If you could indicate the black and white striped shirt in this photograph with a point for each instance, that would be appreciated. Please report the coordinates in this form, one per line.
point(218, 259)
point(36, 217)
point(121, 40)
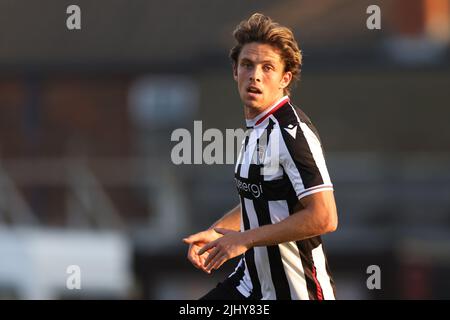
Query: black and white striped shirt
point(281, 161)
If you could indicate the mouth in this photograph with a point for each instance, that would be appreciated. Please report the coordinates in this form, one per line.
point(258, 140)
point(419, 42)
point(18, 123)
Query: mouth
point(253, 91)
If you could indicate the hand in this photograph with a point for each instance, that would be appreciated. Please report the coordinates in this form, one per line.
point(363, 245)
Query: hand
point(196, 242)
point(230, 245)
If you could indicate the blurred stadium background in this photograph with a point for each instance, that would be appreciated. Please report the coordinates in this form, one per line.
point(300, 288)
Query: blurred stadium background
point(86, 117)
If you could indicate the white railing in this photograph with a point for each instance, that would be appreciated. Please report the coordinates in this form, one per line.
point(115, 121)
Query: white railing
point(87, 202)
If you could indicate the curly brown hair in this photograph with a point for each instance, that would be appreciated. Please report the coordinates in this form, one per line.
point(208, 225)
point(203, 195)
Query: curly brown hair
point(260, 28)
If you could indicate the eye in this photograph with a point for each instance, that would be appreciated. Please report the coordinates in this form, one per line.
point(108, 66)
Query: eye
point(267, 67)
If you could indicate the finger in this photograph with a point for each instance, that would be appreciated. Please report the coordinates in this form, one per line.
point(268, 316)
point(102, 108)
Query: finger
point(202, 265)
point(206, 271)
point(216, 262)
point(202, 258)
point(219, 263)
point(210, 257)
point(222, 230)
point(201, 262)
point(197, 261)
point(194, 263)
point(206, 247)
point(193, 258)
point(192, 238)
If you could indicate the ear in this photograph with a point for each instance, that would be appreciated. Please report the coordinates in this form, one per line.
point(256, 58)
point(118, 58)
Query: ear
point(286, 79)
point(235, 72)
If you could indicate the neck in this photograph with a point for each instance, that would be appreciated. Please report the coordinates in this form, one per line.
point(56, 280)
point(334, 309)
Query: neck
point(252, 112)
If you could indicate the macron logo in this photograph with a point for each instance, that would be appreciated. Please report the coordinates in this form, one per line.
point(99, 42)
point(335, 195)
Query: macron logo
point(292, 130)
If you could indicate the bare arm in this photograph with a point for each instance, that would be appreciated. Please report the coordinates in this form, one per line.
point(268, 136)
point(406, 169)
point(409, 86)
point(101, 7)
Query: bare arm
point(231, 220)
point(315, 215)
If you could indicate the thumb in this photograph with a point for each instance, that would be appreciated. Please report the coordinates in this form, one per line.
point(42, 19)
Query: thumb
point(189, 239)
point(222, 230)
point(193, 238)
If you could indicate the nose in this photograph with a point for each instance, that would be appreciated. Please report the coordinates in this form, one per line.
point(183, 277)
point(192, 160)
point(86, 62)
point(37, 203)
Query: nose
point(255, 74)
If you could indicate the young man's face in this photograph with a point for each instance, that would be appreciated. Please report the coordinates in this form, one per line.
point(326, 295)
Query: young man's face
point(260, 75)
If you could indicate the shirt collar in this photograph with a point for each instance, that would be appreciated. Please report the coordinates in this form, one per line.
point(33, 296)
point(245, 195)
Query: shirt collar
point(266, 113)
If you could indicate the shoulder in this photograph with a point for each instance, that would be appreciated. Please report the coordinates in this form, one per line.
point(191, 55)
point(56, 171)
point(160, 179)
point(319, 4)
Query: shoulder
point(290, 116)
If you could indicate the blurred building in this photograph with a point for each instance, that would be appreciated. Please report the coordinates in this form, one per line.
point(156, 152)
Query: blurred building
point(85, 136)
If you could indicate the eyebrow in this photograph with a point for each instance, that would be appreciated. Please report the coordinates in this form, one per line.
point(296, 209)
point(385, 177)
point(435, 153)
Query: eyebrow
point(264, 61)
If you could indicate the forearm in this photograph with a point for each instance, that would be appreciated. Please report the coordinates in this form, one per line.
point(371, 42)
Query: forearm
point(231, 220)
point(301, 225)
